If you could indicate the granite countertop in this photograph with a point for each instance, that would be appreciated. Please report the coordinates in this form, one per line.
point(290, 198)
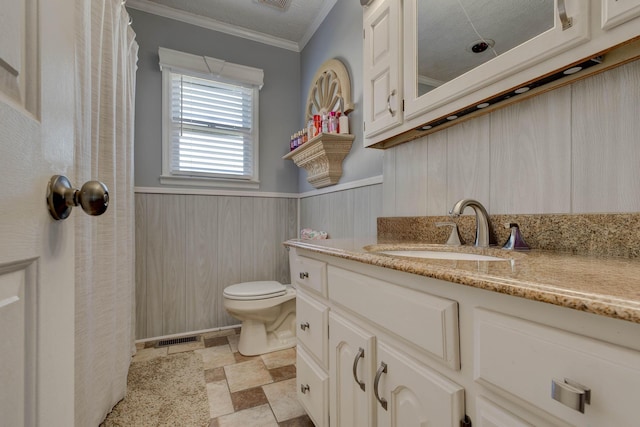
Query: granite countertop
point(607, 286)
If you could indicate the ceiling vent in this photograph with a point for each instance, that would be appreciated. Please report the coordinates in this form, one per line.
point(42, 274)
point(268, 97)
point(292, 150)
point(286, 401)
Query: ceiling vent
point(278, 4)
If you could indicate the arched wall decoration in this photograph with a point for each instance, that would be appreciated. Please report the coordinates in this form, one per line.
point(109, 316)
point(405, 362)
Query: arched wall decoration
point(330, 90)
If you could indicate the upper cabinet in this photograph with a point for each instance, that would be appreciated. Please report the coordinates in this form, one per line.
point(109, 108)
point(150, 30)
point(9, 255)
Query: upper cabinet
point(429, 63)
point(382, 97)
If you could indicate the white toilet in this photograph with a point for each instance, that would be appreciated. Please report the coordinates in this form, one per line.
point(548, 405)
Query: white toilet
point(268, 313)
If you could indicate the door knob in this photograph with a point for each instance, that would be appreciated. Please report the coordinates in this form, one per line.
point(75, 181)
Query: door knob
point(93, 197)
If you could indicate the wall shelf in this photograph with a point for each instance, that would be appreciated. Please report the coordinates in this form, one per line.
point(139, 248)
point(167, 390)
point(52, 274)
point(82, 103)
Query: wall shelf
point(322, 157)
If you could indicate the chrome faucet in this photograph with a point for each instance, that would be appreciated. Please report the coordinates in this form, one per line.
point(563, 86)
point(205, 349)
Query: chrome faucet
point(482, 221)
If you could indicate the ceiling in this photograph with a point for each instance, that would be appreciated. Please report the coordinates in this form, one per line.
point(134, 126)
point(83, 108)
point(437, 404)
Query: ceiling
point(290, 28)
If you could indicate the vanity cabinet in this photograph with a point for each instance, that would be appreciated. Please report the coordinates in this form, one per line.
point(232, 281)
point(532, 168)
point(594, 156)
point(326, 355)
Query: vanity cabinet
point(443, 354)
point(418, 77)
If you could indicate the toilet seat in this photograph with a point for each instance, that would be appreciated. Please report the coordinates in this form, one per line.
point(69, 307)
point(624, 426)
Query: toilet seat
point(255, 290)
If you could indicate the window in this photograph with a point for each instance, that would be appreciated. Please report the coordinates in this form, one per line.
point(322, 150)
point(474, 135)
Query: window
point(210, 121)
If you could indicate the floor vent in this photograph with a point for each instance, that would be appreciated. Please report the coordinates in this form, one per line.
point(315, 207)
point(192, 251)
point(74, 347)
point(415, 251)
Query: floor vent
point(164, 343)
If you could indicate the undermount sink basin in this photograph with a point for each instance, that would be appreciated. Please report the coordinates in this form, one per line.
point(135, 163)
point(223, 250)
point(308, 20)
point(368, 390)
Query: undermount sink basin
point(458, 256)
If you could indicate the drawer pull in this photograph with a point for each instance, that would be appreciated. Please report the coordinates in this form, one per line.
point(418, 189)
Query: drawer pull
point(381, 370)
point(304, 326)
point(304, 275)
point(359, 356)
point(304, 388)
point(570, 394)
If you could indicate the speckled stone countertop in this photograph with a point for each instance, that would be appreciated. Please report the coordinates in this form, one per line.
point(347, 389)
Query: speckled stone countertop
point(607, 286)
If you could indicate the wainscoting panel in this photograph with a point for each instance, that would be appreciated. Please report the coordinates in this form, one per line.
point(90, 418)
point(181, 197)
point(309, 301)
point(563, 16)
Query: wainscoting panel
point(606, 153)
point(531, 155)
point(141, 266)
point(201, 251)
point(468, 162)
point(343, 214)
point(571, 150)
point(190, 247)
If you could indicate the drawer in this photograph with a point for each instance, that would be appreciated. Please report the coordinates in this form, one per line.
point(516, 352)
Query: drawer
point(312, 319)
point(523, 358)
point(308, 273)
point(312, 388)
point(424, 320)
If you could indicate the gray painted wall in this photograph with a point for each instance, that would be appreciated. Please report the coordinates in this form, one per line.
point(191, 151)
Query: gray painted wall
point(340, 36)
point(279, 98)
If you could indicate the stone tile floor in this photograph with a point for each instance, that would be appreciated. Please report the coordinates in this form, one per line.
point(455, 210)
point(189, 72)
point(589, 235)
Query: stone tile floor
point(242, 391)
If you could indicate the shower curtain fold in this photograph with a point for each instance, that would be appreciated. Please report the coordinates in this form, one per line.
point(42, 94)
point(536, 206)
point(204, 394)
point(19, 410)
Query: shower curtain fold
point(106, 57)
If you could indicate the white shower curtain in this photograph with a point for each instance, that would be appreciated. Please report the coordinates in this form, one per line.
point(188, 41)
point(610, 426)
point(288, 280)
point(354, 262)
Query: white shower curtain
point(106, 56)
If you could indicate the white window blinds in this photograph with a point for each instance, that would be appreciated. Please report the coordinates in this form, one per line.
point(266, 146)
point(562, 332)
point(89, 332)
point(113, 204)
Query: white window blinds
point(211, 128)
point(210, 121)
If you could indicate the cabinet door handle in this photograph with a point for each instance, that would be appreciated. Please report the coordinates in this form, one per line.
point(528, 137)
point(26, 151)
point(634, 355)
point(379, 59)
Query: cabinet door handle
point(304, 388)
point(393, 113)
point(304, 326)
point(566, 21)
point(570, 394)
point(381, 370)
point(359, 356)
point(304, 275)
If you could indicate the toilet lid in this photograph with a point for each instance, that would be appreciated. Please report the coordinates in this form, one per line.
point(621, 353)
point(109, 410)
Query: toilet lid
point(255, 290)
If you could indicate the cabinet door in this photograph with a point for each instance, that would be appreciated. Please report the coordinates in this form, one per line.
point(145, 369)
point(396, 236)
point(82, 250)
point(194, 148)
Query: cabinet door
point(416, 396)
point(351, 371)
point(616, 12)
point(382, 96)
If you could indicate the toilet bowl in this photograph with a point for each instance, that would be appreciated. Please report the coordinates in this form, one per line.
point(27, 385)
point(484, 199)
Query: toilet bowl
point(267, 310)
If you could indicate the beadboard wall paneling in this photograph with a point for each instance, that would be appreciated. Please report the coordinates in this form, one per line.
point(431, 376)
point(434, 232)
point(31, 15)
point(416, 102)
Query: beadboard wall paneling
point(531, 155)
point(571, 150)
point(174, 262)
point(412, 194)
point(190, 247)
point(154, 263)
point(201, 233)
point(437, 178)
point(343, 214)
point(141, 267)
point(606, 136)
point(468, 162)
point(389, 183)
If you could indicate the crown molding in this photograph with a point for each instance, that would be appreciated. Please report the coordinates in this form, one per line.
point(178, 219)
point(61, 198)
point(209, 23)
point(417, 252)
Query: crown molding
point(212, 24)
point(320, 17)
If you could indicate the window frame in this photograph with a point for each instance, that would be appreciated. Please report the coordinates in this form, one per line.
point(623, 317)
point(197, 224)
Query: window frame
point(175, 62)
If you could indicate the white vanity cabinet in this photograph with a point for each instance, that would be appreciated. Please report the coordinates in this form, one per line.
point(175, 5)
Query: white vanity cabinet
point(412, 85)
point(439, 353)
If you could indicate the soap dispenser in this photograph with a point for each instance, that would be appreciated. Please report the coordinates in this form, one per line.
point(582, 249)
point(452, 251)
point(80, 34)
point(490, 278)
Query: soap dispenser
point(516, 241)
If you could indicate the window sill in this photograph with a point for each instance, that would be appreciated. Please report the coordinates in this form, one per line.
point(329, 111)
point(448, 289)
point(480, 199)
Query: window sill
point(208, 182)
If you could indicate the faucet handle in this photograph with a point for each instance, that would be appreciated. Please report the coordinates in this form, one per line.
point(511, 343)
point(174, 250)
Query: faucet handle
point(454, 237)
point(515, 241)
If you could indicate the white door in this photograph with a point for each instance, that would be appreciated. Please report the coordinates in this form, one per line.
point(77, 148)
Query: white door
point(36, 253)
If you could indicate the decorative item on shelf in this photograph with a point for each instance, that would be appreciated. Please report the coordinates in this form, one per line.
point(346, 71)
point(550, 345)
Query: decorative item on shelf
point(328, 139)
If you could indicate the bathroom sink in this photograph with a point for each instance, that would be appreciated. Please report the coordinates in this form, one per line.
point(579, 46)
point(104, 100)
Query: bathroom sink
point(430, 254)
